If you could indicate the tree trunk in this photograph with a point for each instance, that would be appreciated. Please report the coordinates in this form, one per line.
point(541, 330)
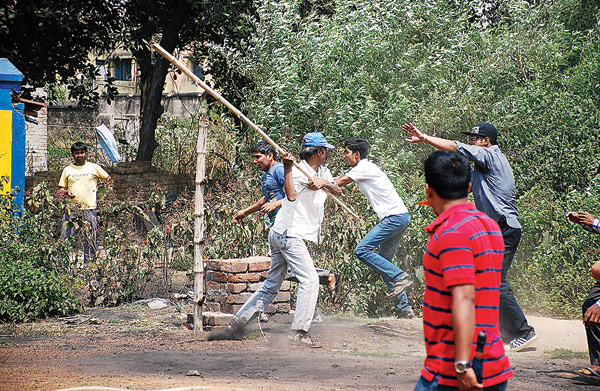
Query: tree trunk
point(152, 85)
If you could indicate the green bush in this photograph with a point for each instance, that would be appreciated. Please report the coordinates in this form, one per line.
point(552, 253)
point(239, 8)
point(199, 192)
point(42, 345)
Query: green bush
point(30, 292)
point(35, 281)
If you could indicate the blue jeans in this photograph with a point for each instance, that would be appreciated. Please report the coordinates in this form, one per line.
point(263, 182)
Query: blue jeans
point(386, 235)
point(426, 385)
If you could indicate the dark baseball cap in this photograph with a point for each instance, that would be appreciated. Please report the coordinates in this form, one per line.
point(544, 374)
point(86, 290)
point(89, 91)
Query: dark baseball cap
point(315, 139)
point(484, 130)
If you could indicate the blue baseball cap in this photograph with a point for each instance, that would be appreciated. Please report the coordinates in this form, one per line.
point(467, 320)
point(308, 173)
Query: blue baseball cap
point(315, 139)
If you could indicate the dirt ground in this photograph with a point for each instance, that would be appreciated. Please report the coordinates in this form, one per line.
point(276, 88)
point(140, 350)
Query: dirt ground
point(136, 348)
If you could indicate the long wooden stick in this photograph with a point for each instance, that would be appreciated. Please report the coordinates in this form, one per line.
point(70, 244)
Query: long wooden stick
point(241, 116)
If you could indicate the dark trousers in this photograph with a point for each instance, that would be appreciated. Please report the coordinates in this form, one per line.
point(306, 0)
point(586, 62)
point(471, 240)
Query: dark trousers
point(513, 323)
point(593, 333)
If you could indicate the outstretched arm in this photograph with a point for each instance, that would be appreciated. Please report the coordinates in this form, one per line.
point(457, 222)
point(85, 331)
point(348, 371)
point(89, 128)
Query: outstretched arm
point(319, 183)
point(343, 180)
point(241, 214)
point(416, 136)
point(586, 220)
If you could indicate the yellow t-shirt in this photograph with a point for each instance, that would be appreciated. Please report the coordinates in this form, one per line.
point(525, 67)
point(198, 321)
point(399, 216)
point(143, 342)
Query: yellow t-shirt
point(82, 182)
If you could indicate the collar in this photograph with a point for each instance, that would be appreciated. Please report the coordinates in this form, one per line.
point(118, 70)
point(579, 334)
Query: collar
point(431, 228)
point(309, 168)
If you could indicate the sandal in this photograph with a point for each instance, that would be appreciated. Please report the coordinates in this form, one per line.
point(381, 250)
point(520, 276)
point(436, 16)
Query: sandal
point(301, 338)
point(589, 371)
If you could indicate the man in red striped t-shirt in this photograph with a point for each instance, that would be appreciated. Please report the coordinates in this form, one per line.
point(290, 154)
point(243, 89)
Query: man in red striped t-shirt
point(463, 264)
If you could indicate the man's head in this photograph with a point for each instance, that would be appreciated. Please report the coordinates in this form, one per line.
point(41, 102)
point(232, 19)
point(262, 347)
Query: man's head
point(355, 149)
point(265, 156)
point(79, 153)
point(314, 144)
point(483, 135)
point(448, 174)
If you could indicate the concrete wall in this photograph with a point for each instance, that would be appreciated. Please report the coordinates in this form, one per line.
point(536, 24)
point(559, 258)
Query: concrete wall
point(36, 143)
point(133, 178)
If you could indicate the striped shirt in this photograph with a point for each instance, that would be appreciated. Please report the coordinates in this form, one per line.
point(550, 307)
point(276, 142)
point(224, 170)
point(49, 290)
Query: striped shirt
point(465, 248)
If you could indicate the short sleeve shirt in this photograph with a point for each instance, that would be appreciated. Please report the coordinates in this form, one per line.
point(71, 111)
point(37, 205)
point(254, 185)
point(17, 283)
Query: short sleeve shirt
point(272, 188)
point(302, 218)
point(82, 182)
point(465, 247)
point(375, 185)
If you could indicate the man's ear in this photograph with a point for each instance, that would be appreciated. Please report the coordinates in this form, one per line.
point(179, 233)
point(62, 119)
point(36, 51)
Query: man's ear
point(428, 191)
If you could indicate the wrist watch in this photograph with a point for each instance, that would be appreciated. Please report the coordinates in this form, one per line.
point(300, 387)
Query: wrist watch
point(461, 366)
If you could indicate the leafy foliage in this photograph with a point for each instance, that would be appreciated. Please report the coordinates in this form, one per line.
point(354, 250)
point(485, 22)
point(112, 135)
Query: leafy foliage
point(364, 68)
point(34, 282)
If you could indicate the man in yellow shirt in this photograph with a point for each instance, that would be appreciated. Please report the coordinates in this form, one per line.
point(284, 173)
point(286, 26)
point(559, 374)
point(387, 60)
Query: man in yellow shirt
point(79, 181)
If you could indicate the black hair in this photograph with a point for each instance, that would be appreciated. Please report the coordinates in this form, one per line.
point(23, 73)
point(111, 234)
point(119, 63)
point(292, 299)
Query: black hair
point(358, 144)
point(78, 146)
point(307, 152)
point(265, 148)
point(448, 173)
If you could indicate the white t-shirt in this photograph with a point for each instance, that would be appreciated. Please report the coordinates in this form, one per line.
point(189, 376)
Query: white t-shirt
point(377, 187)
point(302, 218)
point(82, 181)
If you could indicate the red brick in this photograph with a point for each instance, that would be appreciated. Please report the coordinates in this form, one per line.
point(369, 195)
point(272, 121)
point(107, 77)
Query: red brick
point(254, 286)
point(244, 277)
point(216, 276)
point(234, 266)
point(213, 265)
point(282, 297)
point(264, 275)
point(215, 285)
point(236, 288)
point(216, 318)
point(259, 266)
point(239, 298)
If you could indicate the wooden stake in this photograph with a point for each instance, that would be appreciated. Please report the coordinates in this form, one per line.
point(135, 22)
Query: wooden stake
point(241, 116)
point(199, 223)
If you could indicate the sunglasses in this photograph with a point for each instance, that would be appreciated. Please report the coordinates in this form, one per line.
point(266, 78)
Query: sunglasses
point(474, 138)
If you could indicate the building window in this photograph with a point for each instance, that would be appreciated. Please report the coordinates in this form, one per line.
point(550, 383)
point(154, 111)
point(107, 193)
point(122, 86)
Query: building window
point(122, 69)
point(102, 72)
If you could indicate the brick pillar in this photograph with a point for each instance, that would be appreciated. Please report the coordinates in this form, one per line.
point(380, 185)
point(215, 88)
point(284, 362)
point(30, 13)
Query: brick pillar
point(230, 282)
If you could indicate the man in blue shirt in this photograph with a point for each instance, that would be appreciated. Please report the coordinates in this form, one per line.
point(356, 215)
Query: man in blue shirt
point(272, 184)
point(493, 187)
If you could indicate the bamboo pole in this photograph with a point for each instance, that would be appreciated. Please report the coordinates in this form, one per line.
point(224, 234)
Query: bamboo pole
point(199, 223)
point(241, 116)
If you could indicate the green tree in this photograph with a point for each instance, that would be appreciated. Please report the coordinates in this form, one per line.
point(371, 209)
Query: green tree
point(49, 41)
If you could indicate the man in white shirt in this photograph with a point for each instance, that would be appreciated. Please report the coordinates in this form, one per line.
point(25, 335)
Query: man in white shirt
point(298, 219)
point(393, 216)
point(79, 181)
